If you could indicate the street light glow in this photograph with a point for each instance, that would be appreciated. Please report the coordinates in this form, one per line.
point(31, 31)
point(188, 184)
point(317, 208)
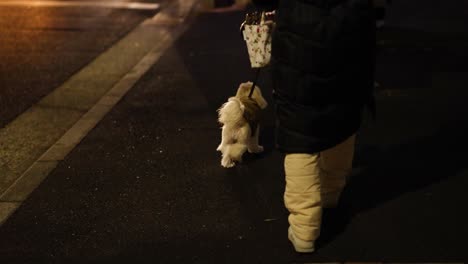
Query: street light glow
point(103, 4)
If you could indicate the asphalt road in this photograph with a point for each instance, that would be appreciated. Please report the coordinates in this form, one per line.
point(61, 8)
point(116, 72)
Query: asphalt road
point(41, 47)
point(146, 186)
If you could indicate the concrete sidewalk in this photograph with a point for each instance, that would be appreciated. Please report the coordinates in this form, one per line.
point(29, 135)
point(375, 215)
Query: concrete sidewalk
point(146, 184)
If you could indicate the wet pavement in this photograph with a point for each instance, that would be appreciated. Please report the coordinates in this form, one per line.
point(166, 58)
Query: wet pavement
point(146, 184)
point(41, 47)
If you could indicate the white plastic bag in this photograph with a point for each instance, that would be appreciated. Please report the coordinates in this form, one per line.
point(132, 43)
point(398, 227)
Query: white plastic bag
point(258, 40)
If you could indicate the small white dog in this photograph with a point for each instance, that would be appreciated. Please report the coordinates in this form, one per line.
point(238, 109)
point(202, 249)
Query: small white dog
point(240, 119)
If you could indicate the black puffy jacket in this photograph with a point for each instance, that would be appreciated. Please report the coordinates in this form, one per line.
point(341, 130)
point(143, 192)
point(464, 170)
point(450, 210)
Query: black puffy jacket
point(323, 60)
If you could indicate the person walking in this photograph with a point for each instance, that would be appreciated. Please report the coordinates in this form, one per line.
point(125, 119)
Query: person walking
point(323, 78)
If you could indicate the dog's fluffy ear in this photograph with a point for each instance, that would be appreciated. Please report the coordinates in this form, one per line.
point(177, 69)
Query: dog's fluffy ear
point(231, 112)
point(238, 103)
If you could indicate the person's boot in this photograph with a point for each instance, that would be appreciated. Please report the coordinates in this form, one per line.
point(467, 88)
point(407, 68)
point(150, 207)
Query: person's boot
point(300, 245)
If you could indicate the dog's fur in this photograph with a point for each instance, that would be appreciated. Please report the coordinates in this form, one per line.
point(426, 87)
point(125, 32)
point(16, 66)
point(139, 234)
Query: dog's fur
point(237, 137)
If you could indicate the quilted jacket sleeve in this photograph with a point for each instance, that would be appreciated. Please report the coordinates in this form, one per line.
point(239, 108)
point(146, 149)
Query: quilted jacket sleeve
point(353, 13)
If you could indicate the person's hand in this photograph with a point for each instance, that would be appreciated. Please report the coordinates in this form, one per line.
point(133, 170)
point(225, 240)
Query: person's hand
point(270, 17)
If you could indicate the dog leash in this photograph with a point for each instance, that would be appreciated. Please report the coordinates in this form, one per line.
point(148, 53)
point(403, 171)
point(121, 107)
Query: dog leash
point(257, 73)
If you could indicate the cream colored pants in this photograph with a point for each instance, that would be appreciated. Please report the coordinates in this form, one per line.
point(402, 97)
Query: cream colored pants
point(314, 181)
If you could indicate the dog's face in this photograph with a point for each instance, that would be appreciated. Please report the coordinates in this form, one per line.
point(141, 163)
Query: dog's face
point(244, 90)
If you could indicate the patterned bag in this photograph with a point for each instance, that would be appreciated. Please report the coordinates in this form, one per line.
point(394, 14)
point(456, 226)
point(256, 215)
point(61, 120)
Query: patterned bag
point(256, 30)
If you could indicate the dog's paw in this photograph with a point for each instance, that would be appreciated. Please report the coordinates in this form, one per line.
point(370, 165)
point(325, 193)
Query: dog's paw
point(227, 163)
point(256, 149)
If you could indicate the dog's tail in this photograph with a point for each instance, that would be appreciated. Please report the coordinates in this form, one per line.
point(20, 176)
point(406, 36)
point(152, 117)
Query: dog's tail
point(231, 112)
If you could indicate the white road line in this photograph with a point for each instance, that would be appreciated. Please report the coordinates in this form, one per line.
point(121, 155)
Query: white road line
point(154, 36)
point(104, 4)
